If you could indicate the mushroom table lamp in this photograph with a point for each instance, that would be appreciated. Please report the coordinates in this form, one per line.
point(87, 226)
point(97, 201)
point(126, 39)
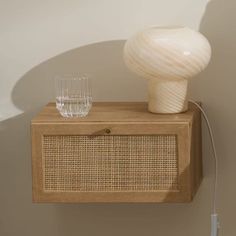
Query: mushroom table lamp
point(168, 57)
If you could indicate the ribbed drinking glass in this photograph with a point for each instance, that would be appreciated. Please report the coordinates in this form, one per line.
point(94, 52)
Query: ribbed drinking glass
point(73, 95)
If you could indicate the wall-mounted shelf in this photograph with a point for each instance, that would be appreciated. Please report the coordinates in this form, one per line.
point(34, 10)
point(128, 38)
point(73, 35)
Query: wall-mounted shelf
point(118, 153)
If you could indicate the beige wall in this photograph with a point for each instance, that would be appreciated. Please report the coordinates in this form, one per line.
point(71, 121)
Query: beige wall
point(39, 39)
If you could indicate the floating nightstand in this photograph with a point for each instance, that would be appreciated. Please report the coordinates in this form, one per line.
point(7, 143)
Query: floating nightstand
point(118, 153)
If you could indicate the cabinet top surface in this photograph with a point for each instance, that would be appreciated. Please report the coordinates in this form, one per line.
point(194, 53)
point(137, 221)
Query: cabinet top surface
point(114, 112)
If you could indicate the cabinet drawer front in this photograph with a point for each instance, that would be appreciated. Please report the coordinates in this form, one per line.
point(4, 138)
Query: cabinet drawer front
point(93, 161)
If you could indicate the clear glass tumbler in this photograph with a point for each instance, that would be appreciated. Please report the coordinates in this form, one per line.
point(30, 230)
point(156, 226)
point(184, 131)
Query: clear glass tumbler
point(73, 95)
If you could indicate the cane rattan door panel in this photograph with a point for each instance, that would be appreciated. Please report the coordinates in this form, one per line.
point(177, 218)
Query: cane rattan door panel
point(130, 161)
point(109, 163)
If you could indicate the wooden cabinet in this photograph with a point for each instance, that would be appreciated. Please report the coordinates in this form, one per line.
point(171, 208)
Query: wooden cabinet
point(118, 153)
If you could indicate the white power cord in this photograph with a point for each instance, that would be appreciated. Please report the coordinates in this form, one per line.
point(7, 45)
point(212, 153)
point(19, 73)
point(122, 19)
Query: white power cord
point(214, 215)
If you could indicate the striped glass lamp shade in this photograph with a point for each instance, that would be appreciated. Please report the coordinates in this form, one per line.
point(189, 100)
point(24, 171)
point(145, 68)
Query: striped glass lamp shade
point(167, 57)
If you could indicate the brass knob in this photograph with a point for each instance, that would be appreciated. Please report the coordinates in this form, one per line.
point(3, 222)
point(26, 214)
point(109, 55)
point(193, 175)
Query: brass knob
point(107, 131)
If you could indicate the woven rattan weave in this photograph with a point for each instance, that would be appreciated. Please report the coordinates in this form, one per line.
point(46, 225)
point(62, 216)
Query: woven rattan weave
point(107, 163)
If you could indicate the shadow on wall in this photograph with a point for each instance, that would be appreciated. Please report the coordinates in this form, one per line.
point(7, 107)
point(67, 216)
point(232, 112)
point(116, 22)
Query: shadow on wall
point(217, 81)
point(216, 85)
point(111, 80)
point(216, 89)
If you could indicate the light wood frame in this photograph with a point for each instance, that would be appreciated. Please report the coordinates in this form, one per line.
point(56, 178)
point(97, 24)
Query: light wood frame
point(188, 134)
